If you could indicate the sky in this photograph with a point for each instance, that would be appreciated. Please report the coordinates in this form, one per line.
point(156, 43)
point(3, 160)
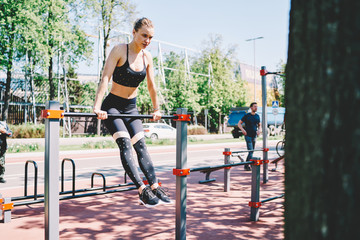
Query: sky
point(190, 22)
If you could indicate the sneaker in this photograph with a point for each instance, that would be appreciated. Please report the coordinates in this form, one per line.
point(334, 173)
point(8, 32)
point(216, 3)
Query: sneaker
point(2, 180)
point(247, 168)
point(162, 194)
point(147, 198)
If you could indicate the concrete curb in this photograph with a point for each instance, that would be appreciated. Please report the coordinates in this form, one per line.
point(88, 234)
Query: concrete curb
point(82, 140)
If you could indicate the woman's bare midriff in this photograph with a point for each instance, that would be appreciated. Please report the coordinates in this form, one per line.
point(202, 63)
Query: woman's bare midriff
point(123, 91)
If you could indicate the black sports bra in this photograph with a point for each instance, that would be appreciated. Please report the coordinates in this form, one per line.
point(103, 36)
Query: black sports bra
point(125, 76)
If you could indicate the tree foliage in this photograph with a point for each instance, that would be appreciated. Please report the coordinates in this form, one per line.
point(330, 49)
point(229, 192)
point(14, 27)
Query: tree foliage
point(225, 88)
point(110, 15)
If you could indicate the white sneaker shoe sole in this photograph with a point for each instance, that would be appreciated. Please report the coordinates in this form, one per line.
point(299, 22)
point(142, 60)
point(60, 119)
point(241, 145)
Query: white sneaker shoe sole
point(148, 205)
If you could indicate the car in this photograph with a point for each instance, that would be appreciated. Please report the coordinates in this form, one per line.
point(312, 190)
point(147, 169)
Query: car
point(159, 131)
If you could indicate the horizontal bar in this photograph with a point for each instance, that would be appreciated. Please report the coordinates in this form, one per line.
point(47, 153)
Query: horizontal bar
point(244, 151)
point(76, 196)
point(138, 116)
point(70, 191)
point(273, 198)
point(219, 166)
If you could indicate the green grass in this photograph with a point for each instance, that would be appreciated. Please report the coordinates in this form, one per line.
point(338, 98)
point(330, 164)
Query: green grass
point(108, 144)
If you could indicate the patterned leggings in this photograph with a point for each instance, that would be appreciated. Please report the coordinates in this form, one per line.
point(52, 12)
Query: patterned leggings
point(128, 133)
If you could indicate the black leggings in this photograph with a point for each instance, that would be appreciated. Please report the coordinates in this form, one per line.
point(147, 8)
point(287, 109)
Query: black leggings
point(127, 132)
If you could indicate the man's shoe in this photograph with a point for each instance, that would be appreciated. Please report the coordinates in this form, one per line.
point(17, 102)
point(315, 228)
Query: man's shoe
point(147, 198)
point(162, 195)
point(247, 168)
point(2, 180)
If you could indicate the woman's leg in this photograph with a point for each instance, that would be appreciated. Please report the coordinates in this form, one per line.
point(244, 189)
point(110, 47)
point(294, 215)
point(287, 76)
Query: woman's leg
point(118, 129)
point(138, 140)
point(145, 163)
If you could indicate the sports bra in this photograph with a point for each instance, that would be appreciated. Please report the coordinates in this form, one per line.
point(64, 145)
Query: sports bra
point(125, 76)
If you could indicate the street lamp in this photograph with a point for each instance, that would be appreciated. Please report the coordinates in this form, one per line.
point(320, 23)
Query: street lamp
point(248, 40)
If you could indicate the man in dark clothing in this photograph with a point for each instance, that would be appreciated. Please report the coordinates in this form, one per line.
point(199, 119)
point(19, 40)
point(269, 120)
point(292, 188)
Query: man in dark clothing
point(251, 131)
point(4, 133)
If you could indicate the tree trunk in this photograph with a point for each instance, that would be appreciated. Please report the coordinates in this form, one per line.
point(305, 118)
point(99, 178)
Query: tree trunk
point(7, 96)
point(51, 82)
point(5, 112)
point(51, 46)
point(322, 178)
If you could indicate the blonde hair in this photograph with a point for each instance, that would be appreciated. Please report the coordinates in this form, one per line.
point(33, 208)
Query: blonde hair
point(139, 23)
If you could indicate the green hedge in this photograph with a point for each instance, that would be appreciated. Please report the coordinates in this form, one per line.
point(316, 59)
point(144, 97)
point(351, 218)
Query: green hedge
point(28, 130)
point(196, 130)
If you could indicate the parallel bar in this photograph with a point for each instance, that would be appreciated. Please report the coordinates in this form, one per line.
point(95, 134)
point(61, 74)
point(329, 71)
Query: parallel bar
point(264, 126)
point(137, 116)
point(273, 198)
point(245, 151)
point(76, 191)
point(181, 181)
point(219, 166)
point(52, 128)
point(76, 196)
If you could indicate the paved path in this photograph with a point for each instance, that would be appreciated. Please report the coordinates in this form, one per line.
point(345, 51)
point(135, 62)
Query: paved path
point(212, 214)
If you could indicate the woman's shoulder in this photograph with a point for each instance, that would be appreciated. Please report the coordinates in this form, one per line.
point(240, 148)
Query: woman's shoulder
point(120, 48)
point(147, 54)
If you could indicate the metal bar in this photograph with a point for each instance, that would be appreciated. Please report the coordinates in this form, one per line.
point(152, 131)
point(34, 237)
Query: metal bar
point(181, 181)
point(136, 116)
point(76, 196)
point(52, 174)
point(272, 198)
point(219, 166)
point(264, 126)
point(245, 151)
point(103, 177)
point(255, 191)
point(35, 178)
point(73, 174)
point(227, 171)
point(76, 191)
point(207, 178)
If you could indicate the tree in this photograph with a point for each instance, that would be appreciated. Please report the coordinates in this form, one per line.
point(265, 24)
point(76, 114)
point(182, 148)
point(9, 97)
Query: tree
point(225, 89)
point(10, 19)
point(110, 14)
point(180, 91)
point(64, 35)
point(322, 89)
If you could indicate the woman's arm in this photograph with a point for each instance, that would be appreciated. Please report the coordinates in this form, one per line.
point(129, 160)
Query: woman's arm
point(152, 87)
point(109, 67)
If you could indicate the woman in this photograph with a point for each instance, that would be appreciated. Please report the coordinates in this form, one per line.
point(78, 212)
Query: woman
point(128, 64)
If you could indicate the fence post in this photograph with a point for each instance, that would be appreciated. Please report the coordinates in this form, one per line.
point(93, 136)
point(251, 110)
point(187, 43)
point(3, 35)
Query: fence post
point(181, 181)
point(264, 122)
point(255, 190)
point(51, 195)
point(227, 170)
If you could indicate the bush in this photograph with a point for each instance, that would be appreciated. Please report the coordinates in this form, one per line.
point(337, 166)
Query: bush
point(196, 130)
point(16, 148)
point(99, 145)
point(28, 130)
point(149, 141)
